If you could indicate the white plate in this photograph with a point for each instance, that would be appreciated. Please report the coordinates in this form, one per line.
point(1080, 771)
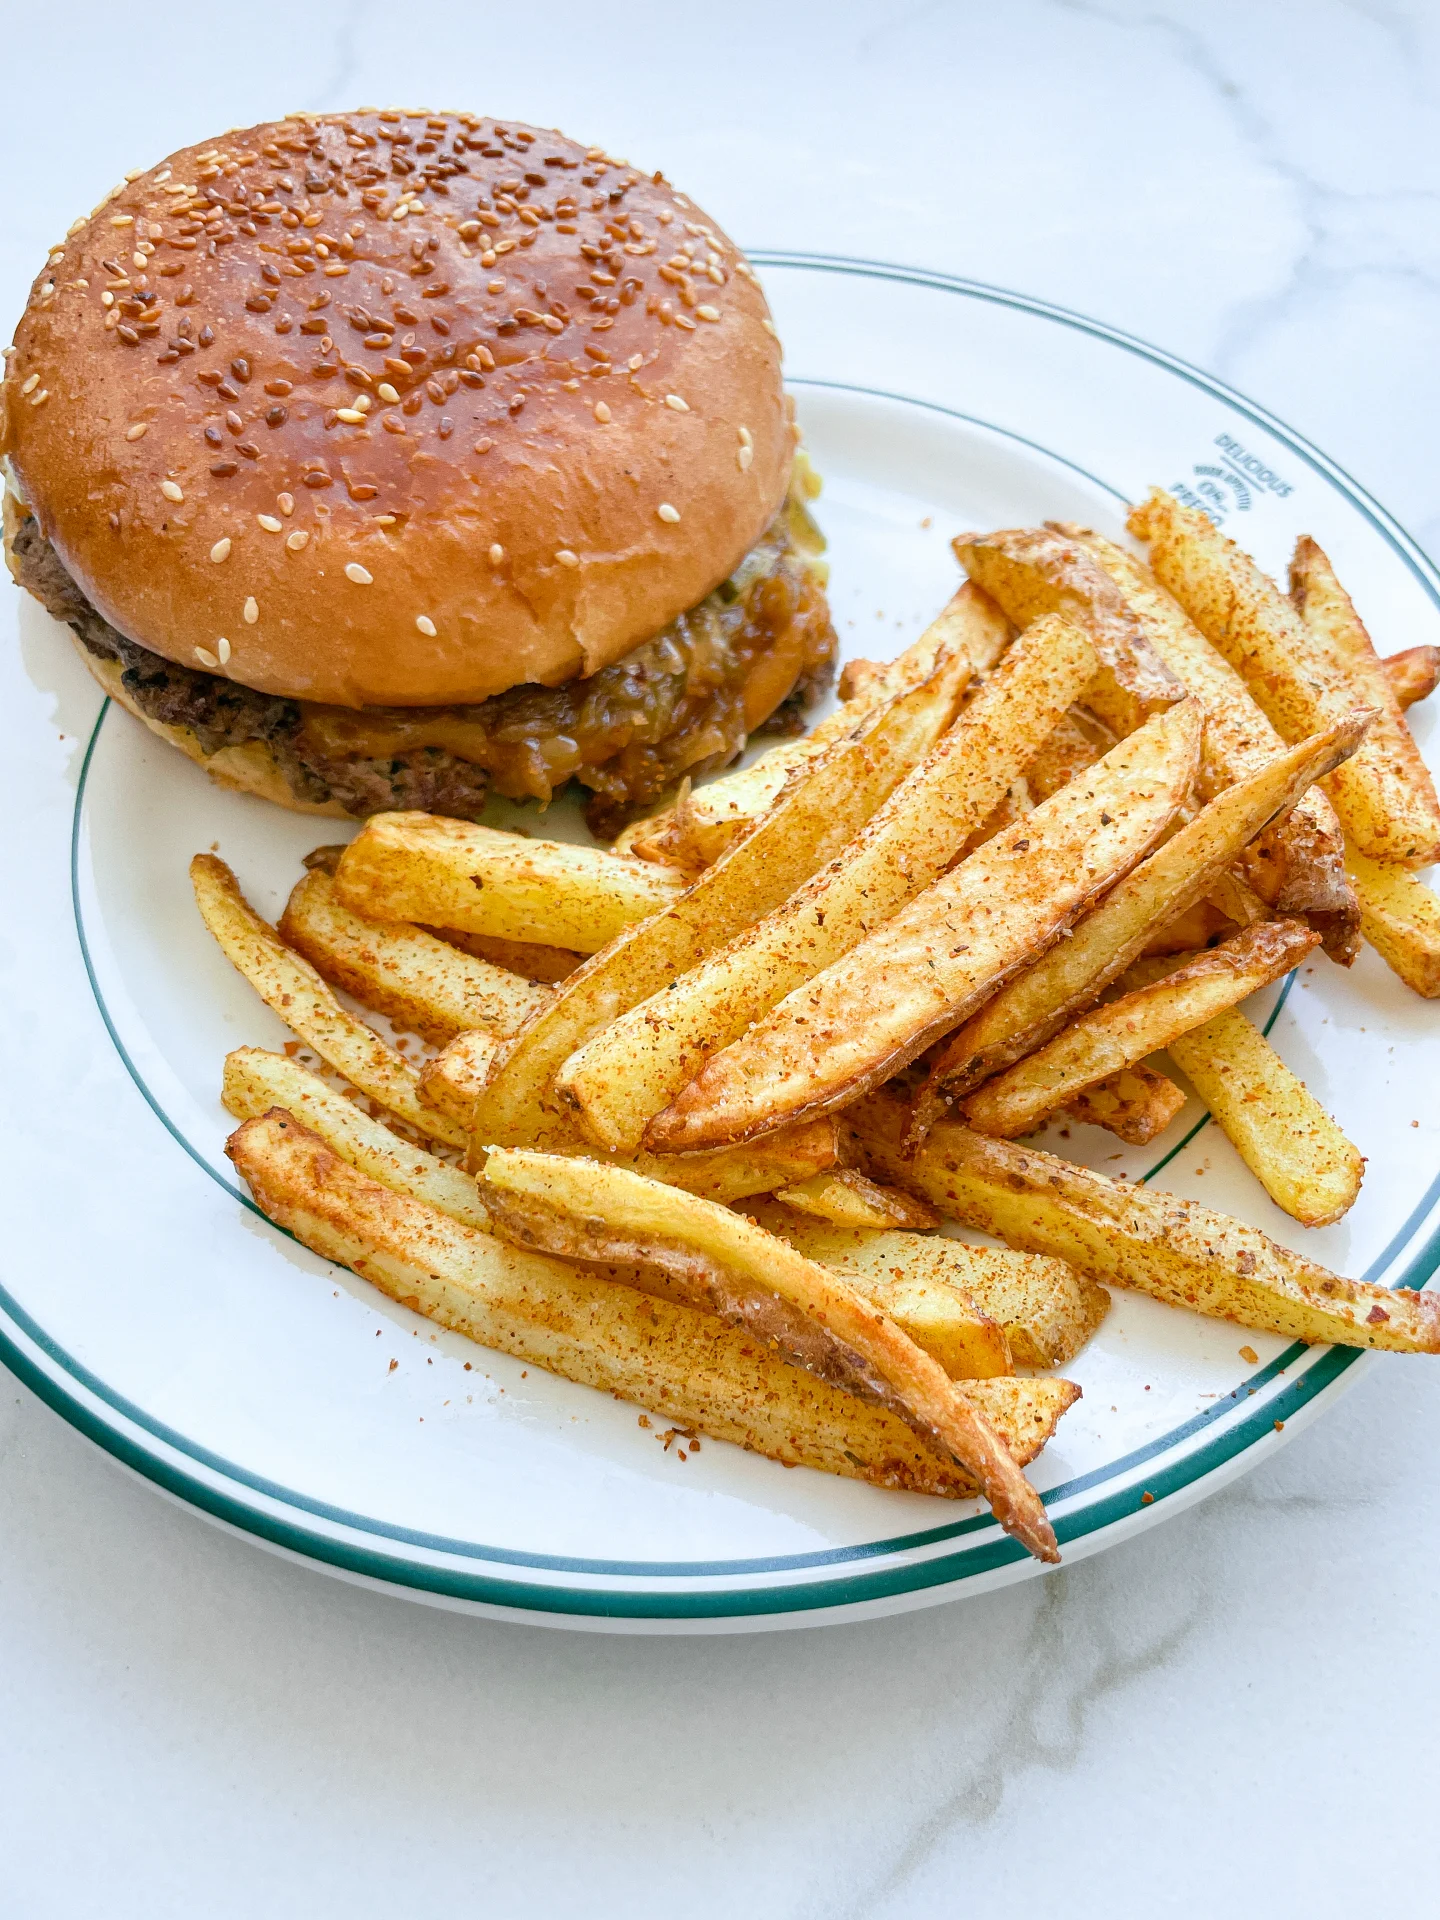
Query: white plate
point(148, 1302)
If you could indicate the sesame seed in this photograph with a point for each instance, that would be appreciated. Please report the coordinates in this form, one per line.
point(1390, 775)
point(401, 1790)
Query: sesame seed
point(602, 413)
point(668, 513)
point(743, 457)
point(31, 384)
point(39, 399)
point(138, 431)
point(170, 490)
point(388, 394)
point(269, 522)
point(426, 625)
point(769, 326)
point(221, 550)
point(206, 658)
point(497, 554)
point(295, 541)
point(567, 558)
point(222, 647)
point(635, 362)
point(744, 433)
point(708, 313)
point(674, 401)
point(483, 446)
point(286, 503)
point(358, 574)
point(122, 219)
point(252, 611)
point(352, 416)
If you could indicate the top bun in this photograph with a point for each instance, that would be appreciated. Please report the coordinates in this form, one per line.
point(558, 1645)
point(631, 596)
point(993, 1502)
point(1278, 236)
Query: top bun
point(396, 408)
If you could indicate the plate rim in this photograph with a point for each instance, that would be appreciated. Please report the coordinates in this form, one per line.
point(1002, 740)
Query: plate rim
point(25, 1347)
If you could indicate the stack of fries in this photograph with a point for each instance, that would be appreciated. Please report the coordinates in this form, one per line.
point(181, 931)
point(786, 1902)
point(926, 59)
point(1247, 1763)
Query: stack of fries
point(695, 1105)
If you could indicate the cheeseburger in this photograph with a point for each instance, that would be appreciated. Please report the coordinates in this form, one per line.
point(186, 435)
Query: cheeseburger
point(379, 460)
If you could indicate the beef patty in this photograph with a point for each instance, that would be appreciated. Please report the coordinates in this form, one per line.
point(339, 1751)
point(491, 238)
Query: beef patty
point(749, 658)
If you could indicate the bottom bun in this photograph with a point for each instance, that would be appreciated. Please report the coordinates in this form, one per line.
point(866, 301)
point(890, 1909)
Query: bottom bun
point(251, 768)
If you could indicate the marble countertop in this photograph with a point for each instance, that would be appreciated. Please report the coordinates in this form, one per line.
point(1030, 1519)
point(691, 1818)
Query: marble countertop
point(1236, 1707)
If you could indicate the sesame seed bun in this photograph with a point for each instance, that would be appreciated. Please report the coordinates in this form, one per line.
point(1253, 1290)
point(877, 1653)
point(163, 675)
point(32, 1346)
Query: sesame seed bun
point(384, 409)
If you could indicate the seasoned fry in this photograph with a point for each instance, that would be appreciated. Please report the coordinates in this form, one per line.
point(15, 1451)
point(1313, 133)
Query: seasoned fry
point(1136, 1104)
point(1196, 927)
point(925, 1299)
point(1298, 865)
point(1011, 808)
point(1297, 673)
point(1072, 976)
point(545, 966)
point(255, 1081)
point(875, 1010)
point(672, 1359)
point(1385, 796)
point(1073, 748)
point(1277, 1126)
point(1046, 1310)
point(1133, 1236)
point(623, 1077)
point(293, 988)
point(454, 1080)
point(751, 1278)
point(1034, 571)
point(1123, 1032)
point(707, 820)
point(1413, 674)
point(825, 804)
point(419, 981)
point(851, 1199)
point(448, 873)
point(1400, 917)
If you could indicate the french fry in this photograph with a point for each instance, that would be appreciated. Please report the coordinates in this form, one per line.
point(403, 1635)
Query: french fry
point(599, 1213)
point(1400, 917)
point(1123, 1032)
point(453, 1081)
point(875, 1010)
point(544, 966)
point(1033, 1007)
point(439, 872)
point(1136, 1104)
point(672, 1359)
point(923, 1298)
point(1046, 1310)
point(1133, 1236)
point(1034, 571)
point(1413, 674)
point(825, 804)
point(419, 981)
point(256, 1080)
point(1385, 796)
point(1297, 866)
point(295, 991)
point(1298, 675)
point(1196, 927)
point(623, 1077)
point(851, 1199)
point(1277, 1126)
point(1073, 748)
point(711, 818)
point(1009, 810)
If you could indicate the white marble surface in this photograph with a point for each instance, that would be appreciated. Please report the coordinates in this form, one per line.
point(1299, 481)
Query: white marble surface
point(1237, 1708)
